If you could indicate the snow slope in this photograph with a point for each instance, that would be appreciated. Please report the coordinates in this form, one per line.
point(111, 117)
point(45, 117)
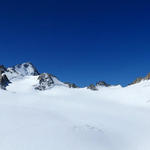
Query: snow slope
point(113, 118)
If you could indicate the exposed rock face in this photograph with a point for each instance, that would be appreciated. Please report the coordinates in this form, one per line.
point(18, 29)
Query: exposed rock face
point(98, 84)
point(47, 81)
point(4, 81)
point(102, 83)
point(138, 80)
point(71, 85)
point(3, 78)
point(92, 87)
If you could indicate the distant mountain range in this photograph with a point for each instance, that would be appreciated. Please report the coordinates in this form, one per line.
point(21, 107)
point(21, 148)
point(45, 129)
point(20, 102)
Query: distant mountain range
point(45, 80)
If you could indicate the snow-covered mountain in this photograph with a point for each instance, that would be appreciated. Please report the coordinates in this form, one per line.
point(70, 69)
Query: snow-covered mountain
point(48, 81)
point(45, 80)
point(21, 70)
point(39, 112)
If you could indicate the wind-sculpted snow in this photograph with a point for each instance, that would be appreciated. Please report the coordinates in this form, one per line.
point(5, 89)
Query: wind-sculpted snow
point(112, 118)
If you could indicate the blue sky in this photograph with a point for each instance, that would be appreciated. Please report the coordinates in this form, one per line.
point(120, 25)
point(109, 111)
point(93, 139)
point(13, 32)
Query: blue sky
point(78, 41)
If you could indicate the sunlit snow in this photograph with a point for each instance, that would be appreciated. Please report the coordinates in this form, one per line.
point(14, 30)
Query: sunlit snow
point(113, 118)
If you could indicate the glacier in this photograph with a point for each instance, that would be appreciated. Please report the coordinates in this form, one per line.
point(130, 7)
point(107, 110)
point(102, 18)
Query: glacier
point(62, 118)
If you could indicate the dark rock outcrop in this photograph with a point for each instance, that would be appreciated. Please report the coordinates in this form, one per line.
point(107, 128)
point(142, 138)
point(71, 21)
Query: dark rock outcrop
point(102, 83)
point(4, 81)
point(45, 81)
point(92, 87)
point(71, 85)
point(98, 84)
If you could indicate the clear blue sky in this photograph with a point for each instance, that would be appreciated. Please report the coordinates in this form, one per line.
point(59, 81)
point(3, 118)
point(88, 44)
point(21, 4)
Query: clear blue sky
point(78, 41)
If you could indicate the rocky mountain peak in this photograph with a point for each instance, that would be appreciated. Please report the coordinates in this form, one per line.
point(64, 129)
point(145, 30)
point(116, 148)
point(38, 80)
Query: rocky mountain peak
point(21, 70)
point(26, 69)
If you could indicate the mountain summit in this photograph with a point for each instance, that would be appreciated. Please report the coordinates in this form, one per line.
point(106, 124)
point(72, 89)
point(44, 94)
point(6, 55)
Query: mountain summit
point(21, 70)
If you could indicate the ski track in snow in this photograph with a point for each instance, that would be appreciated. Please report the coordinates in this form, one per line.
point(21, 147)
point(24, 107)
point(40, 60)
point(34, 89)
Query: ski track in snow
point(74, 119)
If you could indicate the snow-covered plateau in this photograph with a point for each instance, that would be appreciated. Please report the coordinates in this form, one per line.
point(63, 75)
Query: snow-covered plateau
point(62, 118)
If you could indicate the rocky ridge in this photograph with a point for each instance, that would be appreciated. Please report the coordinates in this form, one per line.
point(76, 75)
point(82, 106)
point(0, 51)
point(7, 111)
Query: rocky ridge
point(47, 81)
point(98, 85)
point(139, 79)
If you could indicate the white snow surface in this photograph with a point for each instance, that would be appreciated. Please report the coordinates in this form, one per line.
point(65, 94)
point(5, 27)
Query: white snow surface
point(74, 119)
